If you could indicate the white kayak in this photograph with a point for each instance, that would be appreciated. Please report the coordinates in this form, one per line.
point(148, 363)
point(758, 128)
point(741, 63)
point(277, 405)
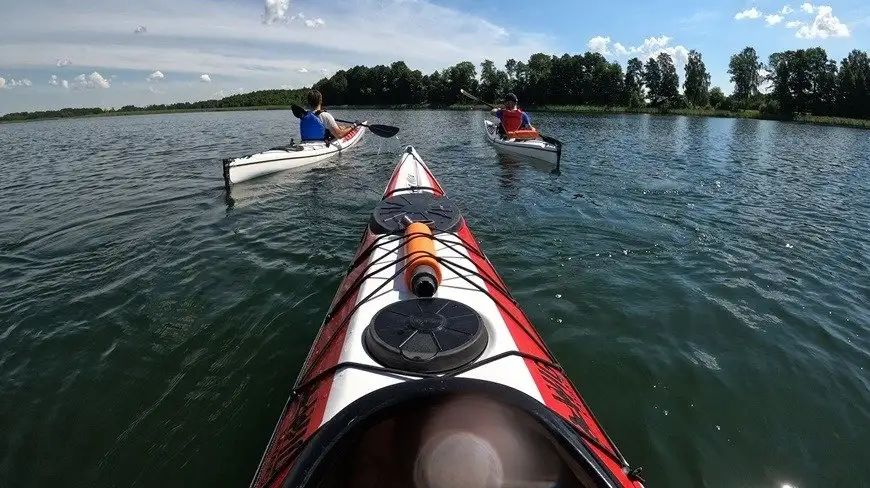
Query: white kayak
point(286, 157)
point(533, 148)
point(426, 373)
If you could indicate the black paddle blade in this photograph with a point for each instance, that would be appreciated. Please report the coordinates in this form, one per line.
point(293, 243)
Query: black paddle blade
point(383, 130)
point(298, 111)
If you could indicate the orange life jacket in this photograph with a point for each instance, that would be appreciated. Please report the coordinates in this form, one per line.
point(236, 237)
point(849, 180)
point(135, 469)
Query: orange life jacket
point(523, 134)
point(511, 120)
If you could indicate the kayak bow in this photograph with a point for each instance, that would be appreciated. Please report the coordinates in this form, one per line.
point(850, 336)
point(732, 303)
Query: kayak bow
point(427, 374)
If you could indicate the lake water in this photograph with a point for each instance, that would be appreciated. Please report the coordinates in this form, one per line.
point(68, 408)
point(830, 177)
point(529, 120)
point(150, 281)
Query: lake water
point(705, 283)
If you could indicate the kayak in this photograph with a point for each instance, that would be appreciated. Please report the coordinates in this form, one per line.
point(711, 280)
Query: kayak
point(287, 157)
point(426, 373)
point(533, 148)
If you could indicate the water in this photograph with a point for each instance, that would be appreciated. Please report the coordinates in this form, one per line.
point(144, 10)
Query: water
point(704, 282)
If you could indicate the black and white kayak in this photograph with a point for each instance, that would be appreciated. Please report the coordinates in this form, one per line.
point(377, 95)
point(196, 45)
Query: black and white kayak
point(426, 373)
point(537, 148)
point(287, 157)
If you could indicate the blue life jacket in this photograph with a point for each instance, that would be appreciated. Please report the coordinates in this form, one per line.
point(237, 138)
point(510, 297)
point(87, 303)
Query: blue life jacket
point(311, 128)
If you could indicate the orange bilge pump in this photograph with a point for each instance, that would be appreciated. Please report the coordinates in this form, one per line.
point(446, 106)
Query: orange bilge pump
point(423, 273)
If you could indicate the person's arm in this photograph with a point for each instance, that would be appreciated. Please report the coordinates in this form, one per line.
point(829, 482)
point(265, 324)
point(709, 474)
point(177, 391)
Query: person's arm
point(497, 113)
point(527, 121)
point(336, 130)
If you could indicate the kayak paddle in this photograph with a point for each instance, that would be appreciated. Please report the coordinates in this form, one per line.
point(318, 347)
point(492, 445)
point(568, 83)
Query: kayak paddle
point(551, 140)
point(377, 129)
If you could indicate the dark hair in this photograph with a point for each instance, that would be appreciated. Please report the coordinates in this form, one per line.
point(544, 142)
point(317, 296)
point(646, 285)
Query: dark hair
point(510, 97)
point(314, 98)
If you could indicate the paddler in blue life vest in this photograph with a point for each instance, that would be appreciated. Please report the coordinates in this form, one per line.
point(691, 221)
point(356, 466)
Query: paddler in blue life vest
point(511, 117)
point(319, 125)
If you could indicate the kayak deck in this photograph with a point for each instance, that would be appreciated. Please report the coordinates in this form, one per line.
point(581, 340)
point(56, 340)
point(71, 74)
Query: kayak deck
point(381, 343)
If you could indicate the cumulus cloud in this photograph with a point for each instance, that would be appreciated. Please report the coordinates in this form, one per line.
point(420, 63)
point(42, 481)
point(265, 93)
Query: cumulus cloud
point(2, 82)
point(63, 62)
point(140, 30)
point(773, 19)
point(303, 70)
point(13, 83)
point(599, 44)
point(276, 11)
point(751, 13)
point(807, 7)
point(93, 80)
point(155, 77)
point(651, 48)
point(314, 23)
point(793, 24)
point(824, 25)
point(786, 10)
point(205, 78)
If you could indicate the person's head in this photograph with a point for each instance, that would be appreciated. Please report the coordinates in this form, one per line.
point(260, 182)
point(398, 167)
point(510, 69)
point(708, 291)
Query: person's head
point(510, 101)
point(315, 99)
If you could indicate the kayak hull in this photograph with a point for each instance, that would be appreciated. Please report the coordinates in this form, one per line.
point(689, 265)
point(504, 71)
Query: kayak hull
point(274, 160)
point(349, 372)
point(535, 148)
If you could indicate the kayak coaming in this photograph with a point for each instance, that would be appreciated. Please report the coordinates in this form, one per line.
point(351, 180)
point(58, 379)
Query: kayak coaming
point(534, 148)
point(515, 356)
point(296, 155)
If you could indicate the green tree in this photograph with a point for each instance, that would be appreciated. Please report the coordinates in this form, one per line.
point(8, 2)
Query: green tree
point(716, 97)
point(652, 80)
point(743, 68)
point(697, 84)
point(854, 85)
point(634, 83)
point(669, 89)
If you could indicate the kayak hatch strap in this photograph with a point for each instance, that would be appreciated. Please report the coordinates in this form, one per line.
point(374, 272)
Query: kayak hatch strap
point(411, 188)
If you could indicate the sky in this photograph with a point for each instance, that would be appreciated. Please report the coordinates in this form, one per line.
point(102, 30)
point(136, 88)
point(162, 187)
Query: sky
point(110, 53)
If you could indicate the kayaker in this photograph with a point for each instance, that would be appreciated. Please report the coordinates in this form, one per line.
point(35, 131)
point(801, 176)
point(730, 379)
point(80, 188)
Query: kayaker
point(511, 117)
point(318, 124)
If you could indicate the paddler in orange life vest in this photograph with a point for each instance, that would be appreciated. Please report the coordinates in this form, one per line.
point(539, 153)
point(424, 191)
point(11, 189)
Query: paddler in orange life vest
point(316, 122)
point(511, 117)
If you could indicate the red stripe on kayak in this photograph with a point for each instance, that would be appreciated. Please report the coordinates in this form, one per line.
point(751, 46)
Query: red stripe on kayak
point(305, 413)
point(557, 391)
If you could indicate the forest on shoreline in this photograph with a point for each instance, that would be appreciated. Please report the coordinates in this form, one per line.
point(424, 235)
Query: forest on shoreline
point(801, 84)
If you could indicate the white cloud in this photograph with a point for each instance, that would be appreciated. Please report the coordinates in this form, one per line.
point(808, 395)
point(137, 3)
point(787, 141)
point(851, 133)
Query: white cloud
point(807, 7)
point(276, 11)
point(751, 13)
point(786, 9)
point(205, 78)
point(651, 48)
point(2, 82)
point(324, 70)
point(793, 24)
point(303, 70)
point(824, 25)
point(314, 23)
point(140, 30)
point(13, 83)
point(773, 19)
point(155, 77)
point(53, 81)
point(63, 62)
point(93, 80)
point(64, 84)
point(599, 44)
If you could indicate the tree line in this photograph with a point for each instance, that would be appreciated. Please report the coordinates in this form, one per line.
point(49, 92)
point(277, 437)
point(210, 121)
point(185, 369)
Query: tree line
point(803, 81)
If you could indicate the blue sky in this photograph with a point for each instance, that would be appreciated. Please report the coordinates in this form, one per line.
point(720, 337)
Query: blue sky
point(63, 53)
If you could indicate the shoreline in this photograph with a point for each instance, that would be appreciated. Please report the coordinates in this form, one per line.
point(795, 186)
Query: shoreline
point(565, 109)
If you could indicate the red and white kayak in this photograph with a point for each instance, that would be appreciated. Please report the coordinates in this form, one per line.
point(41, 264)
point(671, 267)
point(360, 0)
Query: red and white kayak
point(426, 373)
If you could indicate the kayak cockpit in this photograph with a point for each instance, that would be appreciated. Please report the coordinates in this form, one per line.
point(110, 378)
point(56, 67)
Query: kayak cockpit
point(446, 433)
